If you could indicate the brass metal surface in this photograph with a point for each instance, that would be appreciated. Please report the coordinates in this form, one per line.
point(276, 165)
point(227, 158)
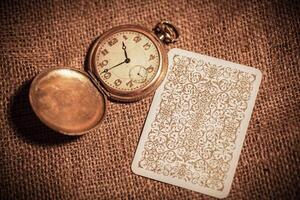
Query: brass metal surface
point(67, 101)
point(166, 32)
point(129, 96)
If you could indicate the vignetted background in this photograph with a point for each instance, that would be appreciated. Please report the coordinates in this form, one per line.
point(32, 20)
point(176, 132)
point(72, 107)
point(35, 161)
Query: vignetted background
point(37, 163)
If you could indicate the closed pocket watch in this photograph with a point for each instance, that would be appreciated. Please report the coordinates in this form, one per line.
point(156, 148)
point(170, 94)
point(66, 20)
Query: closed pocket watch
point(125, 64)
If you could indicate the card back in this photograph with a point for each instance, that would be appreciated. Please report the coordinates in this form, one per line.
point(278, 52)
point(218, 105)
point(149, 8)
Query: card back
point(196, 125)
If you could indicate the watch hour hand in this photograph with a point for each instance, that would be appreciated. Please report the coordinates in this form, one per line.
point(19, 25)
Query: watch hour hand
point(124, 48)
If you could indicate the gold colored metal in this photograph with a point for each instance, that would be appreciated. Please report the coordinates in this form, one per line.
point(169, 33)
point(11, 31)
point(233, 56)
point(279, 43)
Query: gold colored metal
point(73, 102)
point(129, 96)
point(166, 32)
point(67, 101)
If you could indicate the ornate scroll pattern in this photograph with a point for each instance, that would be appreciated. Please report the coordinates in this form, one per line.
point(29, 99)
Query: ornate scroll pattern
point(193, 135)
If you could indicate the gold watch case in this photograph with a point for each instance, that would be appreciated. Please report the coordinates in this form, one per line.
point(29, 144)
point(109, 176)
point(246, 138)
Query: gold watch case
point(67, 101)
point(129, 96)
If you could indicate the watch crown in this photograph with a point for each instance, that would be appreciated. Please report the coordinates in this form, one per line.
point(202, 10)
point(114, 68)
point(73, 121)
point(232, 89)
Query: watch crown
point(166, 32)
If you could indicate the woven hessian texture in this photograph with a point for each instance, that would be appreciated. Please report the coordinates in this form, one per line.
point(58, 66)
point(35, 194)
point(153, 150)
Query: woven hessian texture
point(37, 163)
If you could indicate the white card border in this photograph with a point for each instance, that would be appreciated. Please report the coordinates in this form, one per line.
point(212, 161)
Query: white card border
point(239, 140)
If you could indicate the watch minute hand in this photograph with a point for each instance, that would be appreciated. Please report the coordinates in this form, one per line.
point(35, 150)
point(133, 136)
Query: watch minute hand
point(106, 70)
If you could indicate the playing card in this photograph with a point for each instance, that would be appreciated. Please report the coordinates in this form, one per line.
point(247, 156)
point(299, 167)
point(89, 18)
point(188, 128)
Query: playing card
point(193, 135)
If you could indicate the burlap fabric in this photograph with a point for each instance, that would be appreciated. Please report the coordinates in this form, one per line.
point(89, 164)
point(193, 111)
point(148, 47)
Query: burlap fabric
point(37, 163)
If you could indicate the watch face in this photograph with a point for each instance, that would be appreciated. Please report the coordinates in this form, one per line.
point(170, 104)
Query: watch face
point(127, 60)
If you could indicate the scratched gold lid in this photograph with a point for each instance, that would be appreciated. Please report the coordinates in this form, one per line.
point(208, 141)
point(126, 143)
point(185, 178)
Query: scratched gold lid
point(67, 101)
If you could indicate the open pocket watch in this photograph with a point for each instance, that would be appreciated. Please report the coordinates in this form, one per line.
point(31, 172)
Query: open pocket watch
point(125, 64)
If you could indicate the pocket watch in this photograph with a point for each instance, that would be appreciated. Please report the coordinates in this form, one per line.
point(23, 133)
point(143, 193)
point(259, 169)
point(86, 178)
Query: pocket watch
point(130, 61)
point(126, 63)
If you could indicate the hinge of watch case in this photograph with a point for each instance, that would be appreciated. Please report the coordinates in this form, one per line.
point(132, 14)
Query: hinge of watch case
point(97, 84)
